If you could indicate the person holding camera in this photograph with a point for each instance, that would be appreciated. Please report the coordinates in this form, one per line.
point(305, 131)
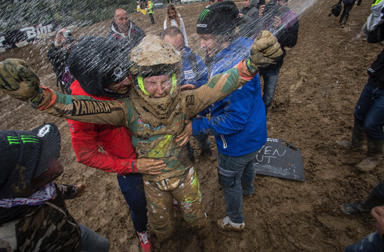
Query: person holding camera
point(58, 55)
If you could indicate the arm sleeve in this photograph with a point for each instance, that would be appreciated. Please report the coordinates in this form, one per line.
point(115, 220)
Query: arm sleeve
point(87, 109)
point(234, 118)
point(86, 145)
point(376, 35)
point(182, 28)
point(290, 34)
point(218, 87)
point(57, 59)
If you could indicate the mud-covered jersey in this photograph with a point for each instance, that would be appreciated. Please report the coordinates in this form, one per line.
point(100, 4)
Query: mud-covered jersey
point(152, 140)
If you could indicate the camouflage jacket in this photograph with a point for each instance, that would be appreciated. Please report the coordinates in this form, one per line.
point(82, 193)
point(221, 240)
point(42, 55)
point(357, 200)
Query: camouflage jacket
point(47, 227)
point(151, 138)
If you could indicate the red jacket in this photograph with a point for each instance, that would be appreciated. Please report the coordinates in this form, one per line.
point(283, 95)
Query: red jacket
point(104, 147)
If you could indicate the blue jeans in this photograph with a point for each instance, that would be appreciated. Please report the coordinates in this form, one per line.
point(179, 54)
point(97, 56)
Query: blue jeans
point(369, 112)
point(270, 77)
point(371, 243)
point(132, 188)
point(236, 175)
point(92, 241)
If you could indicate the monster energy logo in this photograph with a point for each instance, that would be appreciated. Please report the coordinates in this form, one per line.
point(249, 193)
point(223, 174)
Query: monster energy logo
point(22, 139)
point(203, 15)
point(376, 2)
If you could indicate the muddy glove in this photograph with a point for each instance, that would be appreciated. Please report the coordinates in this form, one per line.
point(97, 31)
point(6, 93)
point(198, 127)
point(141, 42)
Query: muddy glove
point(20, 82)
point(265, 51)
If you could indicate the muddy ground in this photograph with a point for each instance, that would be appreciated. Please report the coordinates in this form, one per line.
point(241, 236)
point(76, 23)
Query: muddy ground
point(319, 85)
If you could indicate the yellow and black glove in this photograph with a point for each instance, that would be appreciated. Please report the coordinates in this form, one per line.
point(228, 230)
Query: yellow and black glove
point(265, 50)
point(20, 82)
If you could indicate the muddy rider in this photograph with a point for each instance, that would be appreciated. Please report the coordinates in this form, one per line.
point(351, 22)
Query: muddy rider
point(155, 112)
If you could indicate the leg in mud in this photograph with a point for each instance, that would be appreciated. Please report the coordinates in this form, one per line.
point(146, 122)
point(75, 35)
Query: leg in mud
point(159, 204)
point(189, 195)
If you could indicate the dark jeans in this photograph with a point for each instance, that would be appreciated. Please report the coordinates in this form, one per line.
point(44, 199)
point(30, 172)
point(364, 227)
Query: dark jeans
point(345, 14)
point(92, 241)
point(236, 176)
point(132, 188)
point(270, 77)
point(369, 112)
point(371, 243)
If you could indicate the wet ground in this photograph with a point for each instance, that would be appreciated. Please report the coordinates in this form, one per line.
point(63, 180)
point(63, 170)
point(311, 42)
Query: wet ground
point(319, 85)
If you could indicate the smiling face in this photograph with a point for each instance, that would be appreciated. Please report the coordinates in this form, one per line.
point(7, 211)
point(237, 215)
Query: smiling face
point(209, 44)
point(121, 87)
point(172, 14)
point(121, 20)
point(158, 86)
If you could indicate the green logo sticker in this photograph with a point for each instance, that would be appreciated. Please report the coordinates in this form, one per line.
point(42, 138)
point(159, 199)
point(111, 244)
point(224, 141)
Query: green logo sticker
point(203, 15)
point(22, 139)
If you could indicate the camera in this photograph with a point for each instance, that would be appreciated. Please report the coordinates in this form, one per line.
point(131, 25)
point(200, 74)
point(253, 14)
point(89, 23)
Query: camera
point(68, 35)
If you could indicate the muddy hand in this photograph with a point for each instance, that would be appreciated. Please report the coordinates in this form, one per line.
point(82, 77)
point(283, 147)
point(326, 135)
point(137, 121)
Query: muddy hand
point(80, 189)
point(19, 81)
point(265, 51)
point(150, 166)
point(183, 138)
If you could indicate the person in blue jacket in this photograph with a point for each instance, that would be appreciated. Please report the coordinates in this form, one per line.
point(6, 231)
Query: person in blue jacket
point(194, 74)
point(238, 121)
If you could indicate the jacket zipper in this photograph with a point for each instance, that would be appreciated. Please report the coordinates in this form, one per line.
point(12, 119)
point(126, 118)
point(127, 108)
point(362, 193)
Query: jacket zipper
point(224, 142)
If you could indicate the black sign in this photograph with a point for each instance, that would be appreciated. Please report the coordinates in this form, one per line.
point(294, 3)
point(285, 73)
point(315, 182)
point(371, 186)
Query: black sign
point(277, 158)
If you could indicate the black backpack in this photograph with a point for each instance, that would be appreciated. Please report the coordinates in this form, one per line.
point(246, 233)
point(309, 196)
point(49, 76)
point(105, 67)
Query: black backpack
point(336, 9)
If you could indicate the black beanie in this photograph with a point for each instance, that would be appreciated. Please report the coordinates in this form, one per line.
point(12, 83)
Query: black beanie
point(97, 62)
point(218, 18)
point(24, 156)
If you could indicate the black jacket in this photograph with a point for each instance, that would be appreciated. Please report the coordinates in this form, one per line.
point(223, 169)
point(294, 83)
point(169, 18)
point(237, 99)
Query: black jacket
point(376, 70)
point(134, 34)
point(288, 34)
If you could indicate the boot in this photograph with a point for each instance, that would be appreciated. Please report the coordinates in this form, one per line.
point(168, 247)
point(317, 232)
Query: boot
point(374, 155)
point(356, 144)
point(357, 138)
point(364, 206)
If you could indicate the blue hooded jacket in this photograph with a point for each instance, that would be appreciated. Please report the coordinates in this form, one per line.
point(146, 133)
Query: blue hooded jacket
point(237, 121)
point(194, 70)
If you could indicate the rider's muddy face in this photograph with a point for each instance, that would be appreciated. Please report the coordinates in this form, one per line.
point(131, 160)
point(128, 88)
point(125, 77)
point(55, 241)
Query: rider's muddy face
point(158, 86)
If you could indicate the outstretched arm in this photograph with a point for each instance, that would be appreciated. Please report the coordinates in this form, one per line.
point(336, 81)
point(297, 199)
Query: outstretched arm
point(20, 82)
point(265, 51)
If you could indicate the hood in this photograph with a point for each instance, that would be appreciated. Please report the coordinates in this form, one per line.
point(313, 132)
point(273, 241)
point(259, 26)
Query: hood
point(375, 18)
point(97, 62)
